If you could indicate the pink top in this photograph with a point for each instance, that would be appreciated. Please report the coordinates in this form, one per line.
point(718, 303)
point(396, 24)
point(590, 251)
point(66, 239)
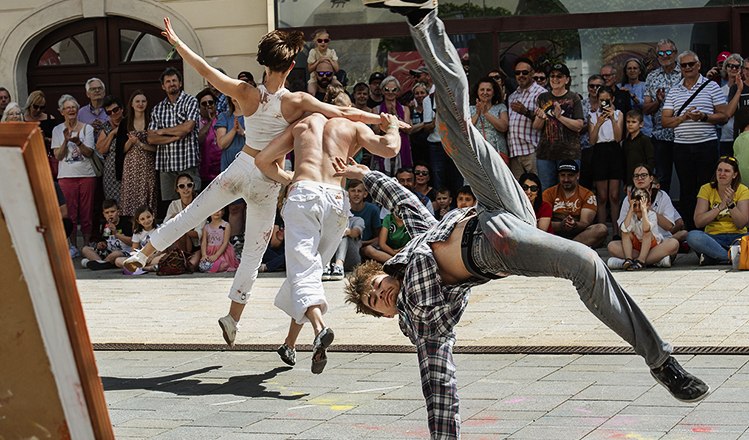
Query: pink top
point(210, 154)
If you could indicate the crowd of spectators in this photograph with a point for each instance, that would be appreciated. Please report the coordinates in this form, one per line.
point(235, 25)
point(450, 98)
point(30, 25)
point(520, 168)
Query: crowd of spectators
point(585, 158)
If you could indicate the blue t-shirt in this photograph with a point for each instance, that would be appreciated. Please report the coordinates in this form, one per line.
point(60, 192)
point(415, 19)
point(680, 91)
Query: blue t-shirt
point(372, 223)
point(226, 120)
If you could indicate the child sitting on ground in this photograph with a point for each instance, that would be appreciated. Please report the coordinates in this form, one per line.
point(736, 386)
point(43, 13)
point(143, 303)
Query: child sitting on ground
point(144, 223)
point(641, 243)
point(393, 235)
point(216, 254)
point(115, 240)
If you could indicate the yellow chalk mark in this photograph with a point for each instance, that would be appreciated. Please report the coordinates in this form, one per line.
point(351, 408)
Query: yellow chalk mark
point(341, 407)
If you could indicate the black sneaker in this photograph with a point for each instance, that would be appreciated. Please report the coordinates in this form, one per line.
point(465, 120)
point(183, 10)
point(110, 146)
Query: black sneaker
point(288, 354)
point(100, 265)
point(682, 385)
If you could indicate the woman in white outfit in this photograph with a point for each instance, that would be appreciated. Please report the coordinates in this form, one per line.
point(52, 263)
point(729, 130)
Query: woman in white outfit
point(268, 109)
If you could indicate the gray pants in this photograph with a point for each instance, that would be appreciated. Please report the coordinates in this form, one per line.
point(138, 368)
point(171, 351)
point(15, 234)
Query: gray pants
point(511, 242)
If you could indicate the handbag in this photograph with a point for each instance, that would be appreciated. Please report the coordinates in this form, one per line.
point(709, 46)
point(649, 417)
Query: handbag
point(738, 253)
point(173, 263)
point(97, 164)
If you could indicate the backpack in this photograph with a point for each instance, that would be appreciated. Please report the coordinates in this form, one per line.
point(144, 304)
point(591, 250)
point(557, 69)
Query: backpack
point(174, 263)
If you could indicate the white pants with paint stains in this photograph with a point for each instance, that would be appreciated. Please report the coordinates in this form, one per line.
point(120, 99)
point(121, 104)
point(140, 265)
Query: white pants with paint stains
point(243, 180)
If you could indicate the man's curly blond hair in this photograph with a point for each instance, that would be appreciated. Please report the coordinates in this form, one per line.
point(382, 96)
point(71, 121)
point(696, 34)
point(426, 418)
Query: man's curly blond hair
point(359, 286)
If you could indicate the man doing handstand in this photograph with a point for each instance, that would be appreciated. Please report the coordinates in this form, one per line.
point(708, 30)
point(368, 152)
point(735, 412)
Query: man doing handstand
point(427, 284)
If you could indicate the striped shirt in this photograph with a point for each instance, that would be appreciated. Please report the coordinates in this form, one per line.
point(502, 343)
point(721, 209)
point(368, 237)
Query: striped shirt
point(693, 132)
point(523, 139)
point(184, 153)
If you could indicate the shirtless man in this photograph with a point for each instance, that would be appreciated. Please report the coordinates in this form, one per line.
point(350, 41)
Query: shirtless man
point(316, 213)
point(268, 109)
point(427, 284)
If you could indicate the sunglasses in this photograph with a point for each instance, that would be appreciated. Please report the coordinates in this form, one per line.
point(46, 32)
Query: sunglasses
point(533, 188)
point(421, 173)
point(733, 66)
point(519, 73)
point(728, 158)
point(389, 90)
point(557, 76)
point(688, 65)
point(497, 77)
point(323, 40)
point(188, 185)
point(640, 176)
point(113, 111)
point(539, 78)
point(665, 53)
point(38, 107)
point(325, 74)
point(594, 86)
point(207, 103)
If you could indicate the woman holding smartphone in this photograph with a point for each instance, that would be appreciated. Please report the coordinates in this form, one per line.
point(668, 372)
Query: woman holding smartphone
point(605, 131)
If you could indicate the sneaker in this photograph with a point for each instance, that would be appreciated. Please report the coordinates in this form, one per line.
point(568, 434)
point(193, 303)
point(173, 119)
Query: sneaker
point(84, 262)
point(615, 263)
point(337, 273)
point(636, 265)
point(319, 350)
point(326, 273)
point(74, 252)
point(288, 354)
point(682, 385)
point(665, 262)
point(229, 327)
point(100, 265)
point(707, 261)
point(135, 260)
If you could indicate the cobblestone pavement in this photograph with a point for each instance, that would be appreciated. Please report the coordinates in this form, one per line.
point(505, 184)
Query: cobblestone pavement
point(250, 395)
point(216, 394)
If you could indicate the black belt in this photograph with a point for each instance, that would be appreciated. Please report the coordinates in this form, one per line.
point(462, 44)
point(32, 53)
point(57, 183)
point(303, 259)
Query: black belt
point(466, 244)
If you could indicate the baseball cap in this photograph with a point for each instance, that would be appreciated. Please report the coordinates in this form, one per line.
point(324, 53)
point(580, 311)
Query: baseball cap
point(568, 165)
point(376, 76)
point(419, 70)
point(722, 56)
point(559, 67)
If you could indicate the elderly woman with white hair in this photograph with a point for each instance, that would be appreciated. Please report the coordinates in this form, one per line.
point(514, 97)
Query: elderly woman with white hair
point(391, 88)
point(13, 113)
point(73, 145)
point(731, 72)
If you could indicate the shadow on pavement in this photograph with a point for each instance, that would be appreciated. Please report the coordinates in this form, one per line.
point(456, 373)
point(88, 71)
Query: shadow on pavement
point(250, 385)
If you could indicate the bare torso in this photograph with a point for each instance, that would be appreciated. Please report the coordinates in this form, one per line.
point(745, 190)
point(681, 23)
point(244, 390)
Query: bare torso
point(317, 141)
point(447, 253)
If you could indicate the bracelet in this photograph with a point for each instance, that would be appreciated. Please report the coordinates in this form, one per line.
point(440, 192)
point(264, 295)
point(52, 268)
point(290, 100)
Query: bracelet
point(704, 117)
point(395, 126)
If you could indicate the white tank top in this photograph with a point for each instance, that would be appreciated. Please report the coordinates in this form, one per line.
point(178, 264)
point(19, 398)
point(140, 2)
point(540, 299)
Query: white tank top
point(267, 122)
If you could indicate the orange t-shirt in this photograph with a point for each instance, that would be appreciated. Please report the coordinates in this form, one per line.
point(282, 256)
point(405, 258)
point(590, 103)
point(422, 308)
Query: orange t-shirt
point(562, 206)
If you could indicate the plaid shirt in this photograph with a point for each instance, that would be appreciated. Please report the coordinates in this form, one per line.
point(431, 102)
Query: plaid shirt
point(427, 310)
point(523, 138)
point(659, 79)
point(184, 153)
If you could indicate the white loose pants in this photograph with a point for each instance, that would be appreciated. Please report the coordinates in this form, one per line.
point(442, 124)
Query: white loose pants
point(315, 217)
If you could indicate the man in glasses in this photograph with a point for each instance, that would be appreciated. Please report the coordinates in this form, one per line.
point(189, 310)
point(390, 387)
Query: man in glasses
point(174, 130)
point(421, 74)
point(93, 114)
point(657, 85)
point(695, 138)
point(428, 283)
point(523, 103)
point(325, 76)
point(541, 78)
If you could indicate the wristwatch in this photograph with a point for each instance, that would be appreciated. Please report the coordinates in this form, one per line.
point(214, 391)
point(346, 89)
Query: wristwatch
point(731, 205)
point(704, 117)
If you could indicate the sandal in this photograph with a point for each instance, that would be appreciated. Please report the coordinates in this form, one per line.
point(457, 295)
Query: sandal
point(628, 262)
point(636, 265)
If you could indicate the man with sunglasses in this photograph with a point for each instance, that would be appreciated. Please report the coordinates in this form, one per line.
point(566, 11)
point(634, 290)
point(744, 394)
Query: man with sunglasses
point(541, 78)
point(695, 138)
point(657, 85)
point(523, 138)
point(325, 76)
point(428, 283)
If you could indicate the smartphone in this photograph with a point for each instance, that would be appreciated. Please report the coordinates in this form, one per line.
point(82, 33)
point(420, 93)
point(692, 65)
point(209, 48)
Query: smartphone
point(605, 104)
